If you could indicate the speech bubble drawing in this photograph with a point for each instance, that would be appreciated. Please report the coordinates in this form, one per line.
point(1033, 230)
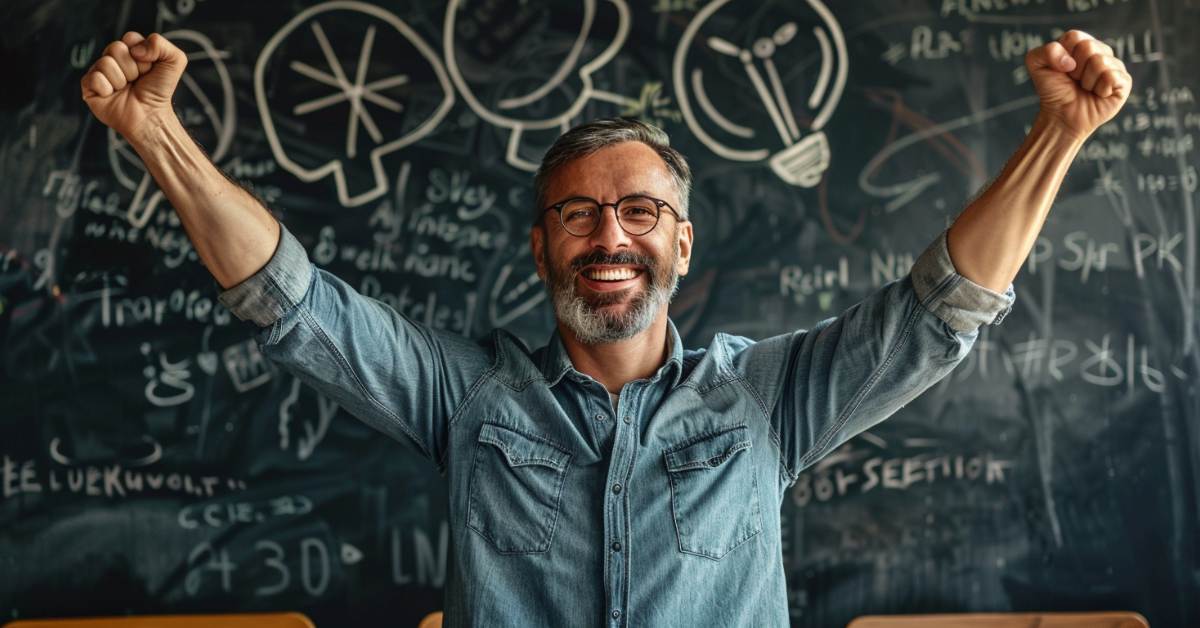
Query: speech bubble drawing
point(519, 112)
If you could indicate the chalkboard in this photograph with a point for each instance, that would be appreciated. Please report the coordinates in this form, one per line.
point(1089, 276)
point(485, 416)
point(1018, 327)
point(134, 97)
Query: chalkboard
point(151, 460)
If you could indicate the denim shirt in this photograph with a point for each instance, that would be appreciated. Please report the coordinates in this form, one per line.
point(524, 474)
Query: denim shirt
point(664, 511)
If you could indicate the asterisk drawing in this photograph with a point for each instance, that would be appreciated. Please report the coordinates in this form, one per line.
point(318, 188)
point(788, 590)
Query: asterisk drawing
point(355, 93)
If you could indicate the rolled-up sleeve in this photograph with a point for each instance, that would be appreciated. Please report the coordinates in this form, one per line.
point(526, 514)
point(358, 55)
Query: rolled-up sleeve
point(266, 296)
point(961, 303)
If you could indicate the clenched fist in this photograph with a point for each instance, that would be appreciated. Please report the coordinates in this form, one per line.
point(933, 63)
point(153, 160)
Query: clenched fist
point(130, 86)
point(1080, 83)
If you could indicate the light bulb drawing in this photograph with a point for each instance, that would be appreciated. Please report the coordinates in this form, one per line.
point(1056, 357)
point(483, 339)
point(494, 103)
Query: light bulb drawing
point(203, 112)
point(524, 112)
point(805, 153)
point(378, 103)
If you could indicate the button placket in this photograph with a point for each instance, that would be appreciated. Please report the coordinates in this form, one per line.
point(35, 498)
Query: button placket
point(619, 467)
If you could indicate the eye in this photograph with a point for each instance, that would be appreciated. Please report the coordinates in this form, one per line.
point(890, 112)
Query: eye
point(578, 213)
point(638, 211)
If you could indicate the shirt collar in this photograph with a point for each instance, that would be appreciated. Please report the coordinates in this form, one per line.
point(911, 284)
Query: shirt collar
point(556, 363)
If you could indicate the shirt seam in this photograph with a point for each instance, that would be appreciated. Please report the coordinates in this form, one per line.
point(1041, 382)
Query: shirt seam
point(932, 299)
point(513, 385)
point(281, 300)
point(469, 397)
point(771, 431)
point(734, 376)
point(289, 302)
point(323, 336)
point(863, 390)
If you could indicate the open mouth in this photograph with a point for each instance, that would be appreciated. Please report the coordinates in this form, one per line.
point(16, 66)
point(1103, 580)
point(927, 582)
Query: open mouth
point(598, 273)
point(610, 277)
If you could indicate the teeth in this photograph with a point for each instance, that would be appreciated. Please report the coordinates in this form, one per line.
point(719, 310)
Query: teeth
point(612, 274)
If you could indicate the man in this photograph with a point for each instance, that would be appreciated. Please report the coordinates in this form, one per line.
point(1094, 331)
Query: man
point(614, 477)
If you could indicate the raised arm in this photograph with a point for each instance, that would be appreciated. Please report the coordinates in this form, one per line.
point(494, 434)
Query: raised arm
point(130, 89)
point(1081, 86)
point(822, 386)
point(403, 378)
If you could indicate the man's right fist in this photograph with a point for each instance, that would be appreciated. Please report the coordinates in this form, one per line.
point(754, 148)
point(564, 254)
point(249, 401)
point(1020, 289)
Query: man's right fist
point(129, 88)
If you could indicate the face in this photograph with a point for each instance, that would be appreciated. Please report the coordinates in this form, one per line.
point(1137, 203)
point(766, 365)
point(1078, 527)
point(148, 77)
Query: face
point(610, 285)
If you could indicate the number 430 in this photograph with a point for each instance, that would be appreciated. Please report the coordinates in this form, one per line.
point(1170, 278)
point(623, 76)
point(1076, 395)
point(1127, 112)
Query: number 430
point(314, 567)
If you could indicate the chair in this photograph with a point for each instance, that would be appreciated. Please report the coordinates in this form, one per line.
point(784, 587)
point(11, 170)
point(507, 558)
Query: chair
point(1112, 619)
point(241, 620)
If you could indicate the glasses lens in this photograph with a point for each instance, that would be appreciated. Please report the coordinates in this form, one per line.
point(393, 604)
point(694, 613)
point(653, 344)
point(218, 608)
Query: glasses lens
point(579, 217)
point(638, 214)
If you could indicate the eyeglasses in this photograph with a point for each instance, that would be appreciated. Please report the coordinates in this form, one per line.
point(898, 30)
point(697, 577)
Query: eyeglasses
point(637, 215)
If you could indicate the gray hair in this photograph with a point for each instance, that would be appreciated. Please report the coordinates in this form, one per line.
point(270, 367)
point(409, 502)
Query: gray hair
point(587, 138)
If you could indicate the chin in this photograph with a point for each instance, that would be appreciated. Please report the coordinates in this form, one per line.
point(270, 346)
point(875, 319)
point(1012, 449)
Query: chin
point(622, 299)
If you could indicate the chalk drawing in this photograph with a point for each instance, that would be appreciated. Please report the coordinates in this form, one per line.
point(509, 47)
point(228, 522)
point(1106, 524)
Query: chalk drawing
point(359, 93)
point(504, 117)
point(800, 154)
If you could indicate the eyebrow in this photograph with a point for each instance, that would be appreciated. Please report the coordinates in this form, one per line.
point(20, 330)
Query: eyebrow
point(635, 193)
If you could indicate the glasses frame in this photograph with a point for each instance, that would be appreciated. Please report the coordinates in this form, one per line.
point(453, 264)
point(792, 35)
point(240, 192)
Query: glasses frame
point(659, 204)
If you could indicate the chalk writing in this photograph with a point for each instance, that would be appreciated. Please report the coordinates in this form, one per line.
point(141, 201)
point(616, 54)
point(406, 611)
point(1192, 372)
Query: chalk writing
point(426, 563)
point(428, 308)
point(316, 570)
point(1100, 362)
point(898, 474)
point(224, 514)
point(800, 284)
point(112, 481)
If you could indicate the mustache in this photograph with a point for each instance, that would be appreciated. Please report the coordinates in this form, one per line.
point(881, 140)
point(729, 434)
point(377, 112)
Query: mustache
point(621, 258)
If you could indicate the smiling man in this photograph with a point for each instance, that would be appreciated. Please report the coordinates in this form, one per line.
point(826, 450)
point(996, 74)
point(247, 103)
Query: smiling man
point(610, 268)
point(614, 477)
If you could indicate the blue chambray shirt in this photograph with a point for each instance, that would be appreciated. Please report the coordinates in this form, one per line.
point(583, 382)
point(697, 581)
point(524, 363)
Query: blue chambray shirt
point(662, 511)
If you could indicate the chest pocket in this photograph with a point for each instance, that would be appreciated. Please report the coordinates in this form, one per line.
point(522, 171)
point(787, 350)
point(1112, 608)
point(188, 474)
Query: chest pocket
point(516, 489)
point(714, 493)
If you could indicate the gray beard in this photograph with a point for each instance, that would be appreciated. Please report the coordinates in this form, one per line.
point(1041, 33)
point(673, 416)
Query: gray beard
point(592, 324)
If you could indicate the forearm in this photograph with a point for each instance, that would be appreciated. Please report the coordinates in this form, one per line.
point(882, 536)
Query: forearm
point(990, 240)
point(232, 232)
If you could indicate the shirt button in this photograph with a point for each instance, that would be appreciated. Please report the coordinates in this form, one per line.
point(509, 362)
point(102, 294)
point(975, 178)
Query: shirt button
point(616, 546)
point(628, 419)
point(617, 487)
point(616, 614)
point(599, 417)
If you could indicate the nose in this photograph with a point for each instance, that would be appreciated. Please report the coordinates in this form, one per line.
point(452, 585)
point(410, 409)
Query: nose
point(608, 234)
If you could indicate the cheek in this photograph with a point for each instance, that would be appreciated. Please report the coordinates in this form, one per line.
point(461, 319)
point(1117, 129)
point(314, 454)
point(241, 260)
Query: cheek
point(557, 260)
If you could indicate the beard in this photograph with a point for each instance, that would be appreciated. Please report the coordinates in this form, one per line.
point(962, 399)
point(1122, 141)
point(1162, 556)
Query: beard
point(592, 318)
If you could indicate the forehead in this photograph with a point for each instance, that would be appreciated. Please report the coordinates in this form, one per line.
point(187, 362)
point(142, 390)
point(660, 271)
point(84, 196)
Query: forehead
point(612, 172)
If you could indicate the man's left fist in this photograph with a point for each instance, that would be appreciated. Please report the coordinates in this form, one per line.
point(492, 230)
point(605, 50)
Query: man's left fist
point(1080, 83)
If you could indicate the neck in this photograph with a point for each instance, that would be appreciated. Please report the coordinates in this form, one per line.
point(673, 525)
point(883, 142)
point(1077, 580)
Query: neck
point(615, 363)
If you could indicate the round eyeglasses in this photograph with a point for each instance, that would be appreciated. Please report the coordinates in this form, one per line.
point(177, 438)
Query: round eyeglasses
point(637, 214)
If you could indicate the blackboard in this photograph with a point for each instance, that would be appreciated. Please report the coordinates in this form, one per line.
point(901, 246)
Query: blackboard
point(152, 461)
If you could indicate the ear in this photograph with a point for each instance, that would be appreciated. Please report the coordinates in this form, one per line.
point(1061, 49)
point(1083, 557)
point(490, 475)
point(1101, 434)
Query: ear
point(684, 236)
point(537, 246)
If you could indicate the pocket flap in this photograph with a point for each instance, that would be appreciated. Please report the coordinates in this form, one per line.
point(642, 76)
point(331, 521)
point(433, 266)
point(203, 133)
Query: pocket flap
point(710, 452)
point(520, 449)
